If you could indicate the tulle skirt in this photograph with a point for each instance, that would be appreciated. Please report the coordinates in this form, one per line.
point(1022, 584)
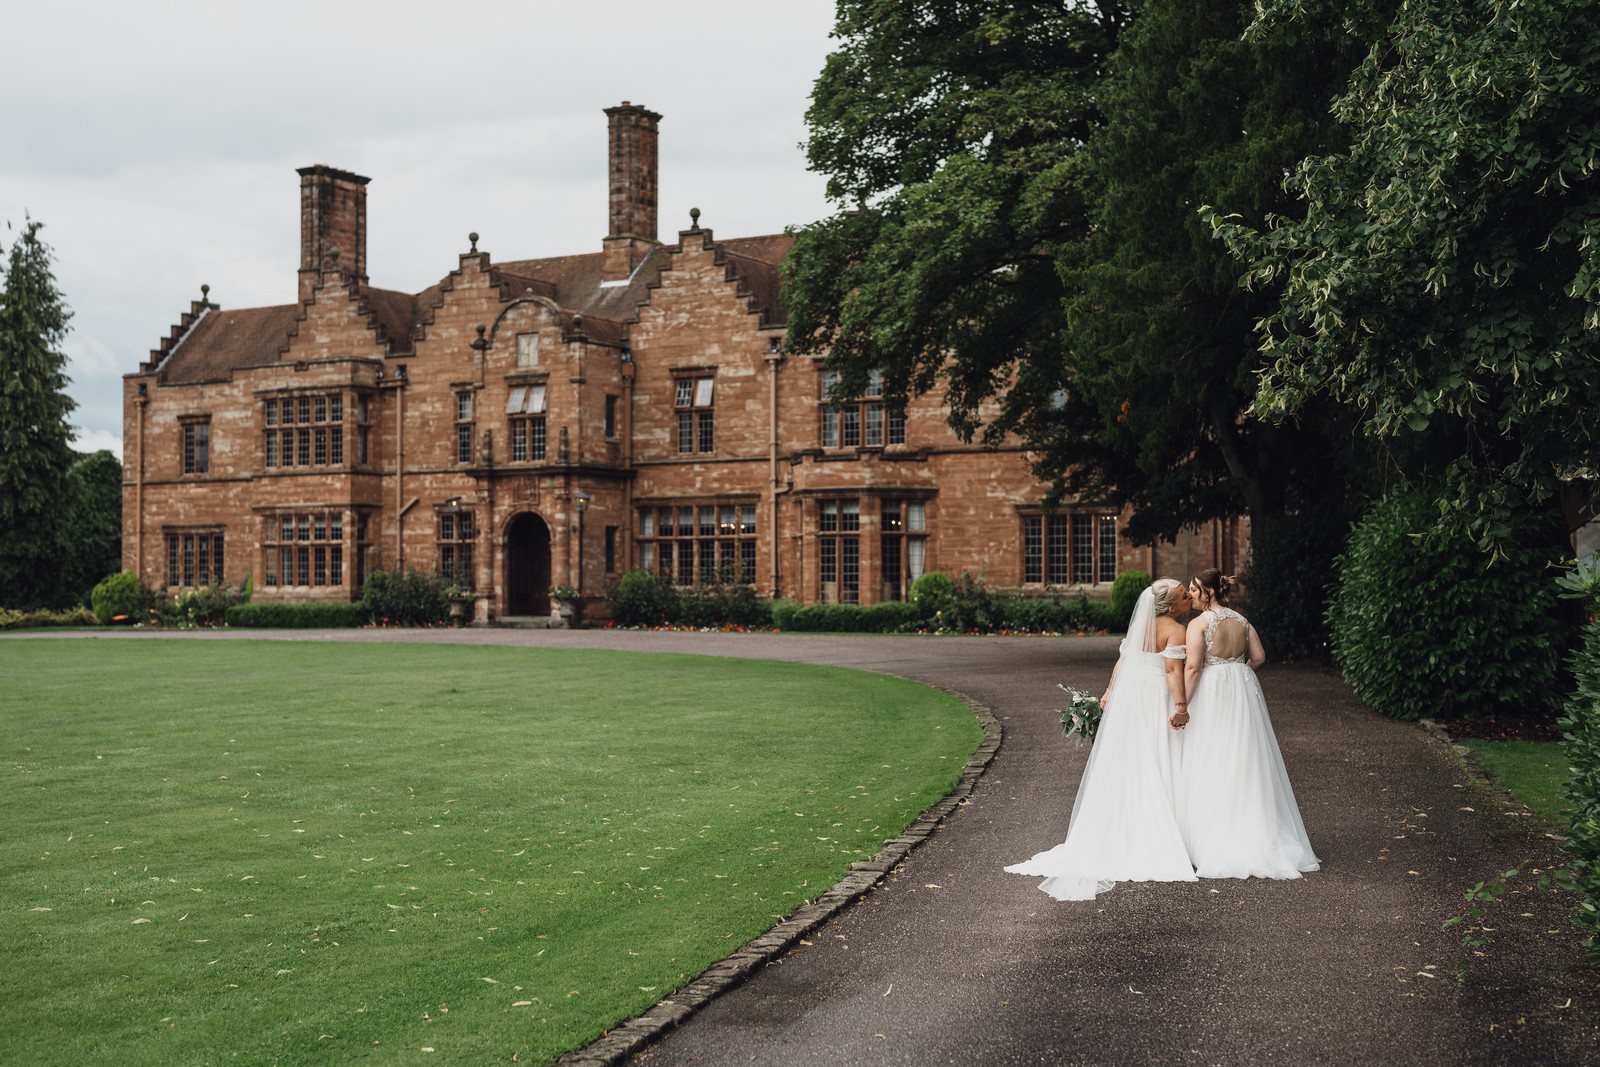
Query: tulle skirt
point(1123, 827)
point(1235, 804)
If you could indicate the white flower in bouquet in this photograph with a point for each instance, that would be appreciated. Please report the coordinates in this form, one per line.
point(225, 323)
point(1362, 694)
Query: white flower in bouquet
point(1081, 717)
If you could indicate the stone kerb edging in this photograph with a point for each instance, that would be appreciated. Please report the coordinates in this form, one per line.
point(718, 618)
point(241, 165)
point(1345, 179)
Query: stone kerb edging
point(629, 1037)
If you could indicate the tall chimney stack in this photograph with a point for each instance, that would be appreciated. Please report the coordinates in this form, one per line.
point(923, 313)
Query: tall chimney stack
point(632, 231)
point(333, 224)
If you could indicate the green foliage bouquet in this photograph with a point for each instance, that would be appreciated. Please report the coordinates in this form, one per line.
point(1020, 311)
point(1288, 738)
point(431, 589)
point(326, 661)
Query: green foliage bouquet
point(1080, 719)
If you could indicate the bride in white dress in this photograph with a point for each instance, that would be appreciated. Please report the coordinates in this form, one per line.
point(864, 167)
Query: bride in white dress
point(1123, 827)
point(1235, 803)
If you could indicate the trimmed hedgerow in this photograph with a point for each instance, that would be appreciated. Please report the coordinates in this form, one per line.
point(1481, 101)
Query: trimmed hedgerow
point(1425, 624)
point(1581, 746)
point(20, 620)
point(305, 615)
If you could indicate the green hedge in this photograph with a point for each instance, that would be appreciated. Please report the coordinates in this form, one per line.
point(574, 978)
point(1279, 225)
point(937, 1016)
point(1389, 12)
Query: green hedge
point(305, 615)
point(1426, 624)
point(18, 620)
point(1581, 747)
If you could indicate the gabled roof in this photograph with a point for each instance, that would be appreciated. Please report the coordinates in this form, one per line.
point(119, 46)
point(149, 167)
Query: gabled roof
point(221, 342)
point(210, 344)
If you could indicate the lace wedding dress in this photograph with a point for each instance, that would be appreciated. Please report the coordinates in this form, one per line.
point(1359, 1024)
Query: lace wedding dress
point(1235, 803)
point(1123, 827)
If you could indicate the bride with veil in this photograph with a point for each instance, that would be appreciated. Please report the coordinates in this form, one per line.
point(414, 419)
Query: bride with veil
point(1123, 826)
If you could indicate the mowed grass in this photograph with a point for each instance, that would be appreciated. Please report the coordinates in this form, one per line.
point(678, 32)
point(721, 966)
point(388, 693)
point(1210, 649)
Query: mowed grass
point(271, 852)
point(1532, 771)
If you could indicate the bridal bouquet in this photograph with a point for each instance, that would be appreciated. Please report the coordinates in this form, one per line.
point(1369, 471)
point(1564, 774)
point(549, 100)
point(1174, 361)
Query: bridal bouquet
point(1081, 717)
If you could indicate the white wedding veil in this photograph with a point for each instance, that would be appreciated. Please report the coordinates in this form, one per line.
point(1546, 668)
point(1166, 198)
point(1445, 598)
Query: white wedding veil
point(1141, 638)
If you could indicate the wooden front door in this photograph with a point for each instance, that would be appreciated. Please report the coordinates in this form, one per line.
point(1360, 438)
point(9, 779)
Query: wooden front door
point(527, 566)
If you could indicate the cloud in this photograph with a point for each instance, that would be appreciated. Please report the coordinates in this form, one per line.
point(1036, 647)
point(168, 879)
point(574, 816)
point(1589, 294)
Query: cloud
point(160, 148)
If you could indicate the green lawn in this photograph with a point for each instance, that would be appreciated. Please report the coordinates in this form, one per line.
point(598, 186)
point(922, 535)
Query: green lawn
point(314, 853)
point(1532, 771)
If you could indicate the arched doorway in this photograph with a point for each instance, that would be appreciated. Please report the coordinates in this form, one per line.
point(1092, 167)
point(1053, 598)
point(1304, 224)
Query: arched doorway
point(527, 566)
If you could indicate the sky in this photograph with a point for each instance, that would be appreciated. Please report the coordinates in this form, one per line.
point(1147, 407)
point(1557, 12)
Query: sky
point(158, 142)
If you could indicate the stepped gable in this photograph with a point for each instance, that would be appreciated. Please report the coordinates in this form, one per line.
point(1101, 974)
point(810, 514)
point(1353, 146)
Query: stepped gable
point(221, 342)
point(755, 263)
point(395, 315)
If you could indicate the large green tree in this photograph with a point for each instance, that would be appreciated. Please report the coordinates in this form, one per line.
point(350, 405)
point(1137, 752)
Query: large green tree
point(92, 530)
point(1018, 186)
point(1444, 280)
point(35, 450)
point(951, 135)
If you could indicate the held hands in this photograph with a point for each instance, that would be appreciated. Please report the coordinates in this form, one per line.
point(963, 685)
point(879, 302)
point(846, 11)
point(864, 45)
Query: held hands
point(1180, 718)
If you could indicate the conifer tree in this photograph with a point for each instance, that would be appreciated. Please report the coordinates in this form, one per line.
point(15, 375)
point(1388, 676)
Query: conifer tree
point(35, 450)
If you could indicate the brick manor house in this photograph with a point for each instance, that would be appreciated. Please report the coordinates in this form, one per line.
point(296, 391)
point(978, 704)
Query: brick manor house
point(541, 422)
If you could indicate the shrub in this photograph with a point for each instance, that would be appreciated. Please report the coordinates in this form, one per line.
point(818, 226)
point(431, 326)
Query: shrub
point(1290, 580)
point(932, 593)
point(1125, 590)
point(830, 619)
point(17, 620)
point(415, 598)
point(305, 615)
point(205, 605)
point(972, 608)
point(783, 614)
point(721, 604)
point(119, 598)
point(1100, 615)
point(1424, 624)
point(644, 599)
point(1581, 746)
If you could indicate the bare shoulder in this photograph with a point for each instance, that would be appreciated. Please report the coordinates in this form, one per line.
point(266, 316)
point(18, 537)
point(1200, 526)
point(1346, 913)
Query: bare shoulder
point(1169, 631)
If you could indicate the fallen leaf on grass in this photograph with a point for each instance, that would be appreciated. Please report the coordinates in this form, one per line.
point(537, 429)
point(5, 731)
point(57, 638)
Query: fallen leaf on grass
point(41, 909)
point(521, 1003)
point(136, 922)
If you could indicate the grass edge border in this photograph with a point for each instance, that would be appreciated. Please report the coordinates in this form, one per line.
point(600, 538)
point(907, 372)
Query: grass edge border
point(633, 1035)
point(1475, 770)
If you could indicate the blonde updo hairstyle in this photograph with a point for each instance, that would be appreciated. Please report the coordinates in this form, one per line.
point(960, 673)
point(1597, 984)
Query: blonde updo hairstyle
point(1165, 592)
point(1217, 584)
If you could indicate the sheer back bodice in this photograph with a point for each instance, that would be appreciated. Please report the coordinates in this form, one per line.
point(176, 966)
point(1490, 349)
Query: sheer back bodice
point(1227, 636)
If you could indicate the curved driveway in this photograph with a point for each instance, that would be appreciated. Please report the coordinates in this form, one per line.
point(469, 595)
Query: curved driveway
point(951, 961)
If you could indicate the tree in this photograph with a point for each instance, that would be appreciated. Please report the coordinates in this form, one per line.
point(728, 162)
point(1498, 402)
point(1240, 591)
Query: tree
point(92, 532)
point(1020, 226)
point(951, 135)
point(1018, 186)
point(35, 453)
point(1444, 281)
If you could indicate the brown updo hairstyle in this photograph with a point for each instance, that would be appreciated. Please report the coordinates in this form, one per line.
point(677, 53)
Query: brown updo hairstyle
point(1216, 583)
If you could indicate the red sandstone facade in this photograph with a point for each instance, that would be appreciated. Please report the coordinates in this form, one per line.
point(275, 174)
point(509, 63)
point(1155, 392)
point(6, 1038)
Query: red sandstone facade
point(533, 423)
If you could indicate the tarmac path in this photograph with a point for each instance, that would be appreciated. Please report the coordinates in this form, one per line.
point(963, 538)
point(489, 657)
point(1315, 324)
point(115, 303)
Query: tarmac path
point(949, 960)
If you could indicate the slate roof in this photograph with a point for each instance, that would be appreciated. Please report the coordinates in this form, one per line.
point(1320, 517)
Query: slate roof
point(219, 342)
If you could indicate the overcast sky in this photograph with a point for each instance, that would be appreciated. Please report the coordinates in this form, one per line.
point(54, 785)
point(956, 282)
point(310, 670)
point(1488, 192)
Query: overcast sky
point(158, 141)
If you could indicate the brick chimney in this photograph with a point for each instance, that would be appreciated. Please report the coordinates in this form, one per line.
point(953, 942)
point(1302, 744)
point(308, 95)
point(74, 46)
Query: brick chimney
point(333, 224)
point(632, 228)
